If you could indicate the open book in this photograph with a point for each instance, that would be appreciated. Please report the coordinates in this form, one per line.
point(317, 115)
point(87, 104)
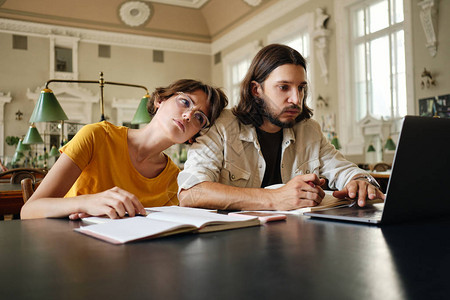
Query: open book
point(329, 201)
point(162, 221)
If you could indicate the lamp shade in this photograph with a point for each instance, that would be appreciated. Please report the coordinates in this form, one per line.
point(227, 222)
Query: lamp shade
point(371, 148)
point(390, 145)
point(54, 151)
point(17, 156)
point(47, 108)
point(21, 147)
point(142, 116)
point(335, 143)
point(32, 136)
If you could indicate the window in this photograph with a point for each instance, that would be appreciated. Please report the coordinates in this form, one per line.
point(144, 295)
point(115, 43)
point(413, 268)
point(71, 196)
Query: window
point(378, 66)
point(297, 34)
point(236, 65)
point(238, 71)
point(63, 59)
point(299, 42)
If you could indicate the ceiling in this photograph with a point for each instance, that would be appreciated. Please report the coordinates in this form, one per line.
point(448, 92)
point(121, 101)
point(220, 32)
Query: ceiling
point(190, 20)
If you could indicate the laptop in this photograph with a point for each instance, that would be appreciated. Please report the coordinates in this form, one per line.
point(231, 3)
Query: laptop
point(419, 185)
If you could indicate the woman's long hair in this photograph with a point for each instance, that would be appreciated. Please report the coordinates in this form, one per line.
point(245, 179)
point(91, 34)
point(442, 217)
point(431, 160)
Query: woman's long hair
point(216, 98)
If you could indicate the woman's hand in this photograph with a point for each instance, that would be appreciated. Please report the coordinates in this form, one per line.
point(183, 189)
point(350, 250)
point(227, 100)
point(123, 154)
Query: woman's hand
point(114, 203)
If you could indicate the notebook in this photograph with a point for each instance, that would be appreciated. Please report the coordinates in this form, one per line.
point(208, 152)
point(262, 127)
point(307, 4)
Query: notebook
point(418, 187)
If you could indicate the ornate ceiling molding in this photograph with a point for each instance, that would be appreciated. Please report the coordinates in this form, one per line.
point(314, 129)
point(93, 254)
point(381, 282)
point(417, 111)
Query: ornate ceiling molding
point(103, 37)
point(135, 13)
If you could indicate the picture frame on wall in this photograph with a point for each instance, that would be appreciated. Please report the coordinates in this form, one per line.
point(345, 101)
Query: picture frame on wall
point(435, 106)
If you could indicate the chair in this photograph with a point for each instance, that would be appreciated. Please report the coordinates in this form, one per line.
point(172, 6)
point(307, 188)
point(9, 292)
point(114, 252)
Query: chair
point(28, 188)
point(381, 167)
point(12, 195)
point(15, 176)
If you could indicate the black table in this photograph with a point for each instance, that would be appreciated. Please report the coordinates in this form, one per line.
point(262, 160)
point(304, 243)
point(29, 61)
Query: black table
point(300, 258)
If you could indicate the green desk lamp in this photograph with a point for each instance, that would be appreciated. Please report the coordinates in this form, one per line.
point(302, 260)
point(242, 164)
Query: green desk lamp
point(48, 109)
point(390, 145)
point(32, 138)
point(371, 148)
point(335, 142)
point(21, 147)
point(54, 151)
point(142, 116)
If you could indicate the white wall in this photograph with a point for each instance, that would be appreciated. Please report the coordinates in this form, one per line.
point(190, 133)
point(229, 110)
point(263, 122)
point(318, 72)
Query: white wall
point(30, 69)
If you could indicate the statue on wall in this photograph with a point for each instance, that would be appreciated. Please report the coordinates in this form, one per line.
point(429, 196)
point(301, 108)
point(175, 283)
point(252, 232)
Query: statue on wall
point(321, 19)
point(321, 34)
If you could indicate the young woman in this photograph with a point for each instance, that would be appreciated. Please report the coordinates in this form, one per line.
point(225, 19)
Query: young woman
point(111, 170)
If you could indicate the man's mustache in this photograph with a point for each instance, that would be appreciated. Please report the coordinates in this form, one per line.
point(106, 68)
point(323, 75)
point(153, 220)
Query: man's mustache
point(293, 106)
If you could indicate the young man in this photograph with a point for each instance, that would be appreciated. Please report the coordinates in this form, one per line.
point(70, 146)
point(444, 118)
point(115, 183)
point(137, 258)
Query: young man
point(269, 138)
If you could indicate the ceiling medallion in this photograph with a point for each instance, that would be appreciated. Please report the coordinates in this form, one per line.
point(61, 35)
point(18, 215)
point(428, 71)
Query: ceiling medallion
point(134, 13)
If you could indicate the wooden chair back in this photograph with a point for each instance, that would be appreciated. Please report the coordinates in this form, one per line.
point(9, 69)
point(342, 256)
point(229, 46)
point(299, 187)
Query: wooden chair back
point(381, 167)
point(15, 176)
point(28, 188)
point(12, 195)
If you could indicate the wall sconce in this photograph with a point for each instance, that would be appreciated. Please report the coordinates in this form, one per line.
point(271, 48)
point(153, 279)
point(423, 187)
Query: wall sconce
point(427, 79)
point(321, 102)
point(19, 115)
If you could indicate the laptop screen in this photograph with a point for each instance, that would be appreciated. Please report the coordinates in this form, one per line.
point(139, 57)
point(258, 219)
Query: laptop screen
point(418, 185)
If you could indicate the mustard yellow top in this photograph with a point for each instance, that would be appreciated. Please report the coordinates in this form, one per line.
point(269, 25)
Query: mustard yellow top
point(100, 150)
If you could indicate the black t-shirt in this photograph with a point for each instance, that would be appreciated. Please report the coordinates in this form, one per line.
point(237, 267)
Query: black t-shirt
point(271, 150)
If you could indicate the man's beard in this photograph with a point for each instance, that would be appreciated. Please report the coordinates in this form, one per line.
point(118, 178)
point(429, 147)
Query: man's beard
point(273, 118)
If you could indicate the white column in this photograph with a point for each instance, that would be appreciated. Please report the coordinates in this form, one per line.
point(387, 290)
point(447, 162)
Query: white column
point(3, 99)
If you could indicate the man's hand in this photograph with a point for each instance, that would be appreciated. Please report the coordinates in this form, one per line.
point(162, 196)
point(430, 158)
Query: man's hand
point(361, 190)
point(114, 203)
point(300, 191)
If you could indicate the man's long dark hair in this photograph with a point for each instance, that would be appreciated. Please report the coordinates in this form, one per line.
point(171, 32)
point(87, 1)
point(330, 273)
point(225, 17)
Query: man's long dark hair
point(249, 108)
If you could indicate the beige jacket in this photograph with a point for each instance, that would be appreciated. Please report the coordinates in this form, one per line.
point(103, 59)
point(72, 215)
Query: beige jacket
point(229, 153)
